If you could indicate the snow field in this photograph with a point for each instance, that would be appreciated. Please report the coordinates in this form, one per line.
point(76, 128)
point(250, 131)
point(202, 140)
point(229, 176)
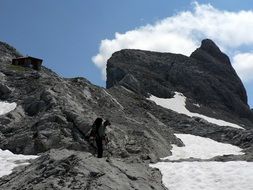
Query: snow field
point(177, 104)
point(205, 175)
point(200, 147)
point(8, 160)
point(235, 175)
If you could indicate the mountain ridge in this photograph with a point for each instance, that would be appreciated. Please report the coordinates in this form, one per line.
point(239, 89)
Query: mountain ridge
point(200, 77)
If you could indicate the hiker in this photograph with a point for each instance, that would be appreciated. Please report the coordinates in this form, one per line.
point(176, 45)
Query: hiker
point(92, 133)
point(97, 123)
point(101, 138)
point(98, 132)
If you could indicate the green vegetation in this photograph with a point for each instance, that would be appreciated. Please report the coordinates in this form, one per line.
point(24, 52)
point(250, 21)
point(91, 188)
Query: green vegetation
point(18, 68)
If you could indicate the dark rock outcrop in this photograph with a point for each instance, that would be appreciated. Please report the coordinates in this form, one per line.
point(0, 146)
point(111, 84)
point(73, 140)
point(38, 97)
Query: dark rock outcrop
point(210, 52)
point(206, 77)
point(4, 91)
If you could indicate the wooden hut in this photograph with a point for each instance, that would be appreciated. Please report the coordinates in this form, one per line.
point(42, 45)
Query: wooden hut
point(28, 61)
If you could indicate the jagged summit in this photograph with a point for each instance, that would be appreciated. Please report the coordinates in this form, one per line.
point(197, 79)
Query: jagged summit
point(209, 45)
point(210, 52)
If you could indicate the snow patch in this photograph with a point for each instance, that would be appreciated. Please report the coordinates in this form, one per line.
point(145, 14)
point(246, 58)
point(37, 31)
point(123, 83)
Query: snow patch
point(202, 148)
point(177, 104)
point(8, 161)
point(7, 107)
point(234, 175)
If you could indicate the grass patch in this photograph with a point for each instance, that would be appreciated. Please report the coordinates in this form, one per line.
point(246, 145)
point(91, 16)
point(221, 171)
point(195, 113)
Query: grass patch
point(18, 68)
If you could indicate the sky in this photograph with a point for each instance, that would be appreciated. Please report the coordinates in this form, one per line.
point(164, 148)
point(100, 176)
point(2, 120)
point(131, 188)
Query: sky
point(75, 38)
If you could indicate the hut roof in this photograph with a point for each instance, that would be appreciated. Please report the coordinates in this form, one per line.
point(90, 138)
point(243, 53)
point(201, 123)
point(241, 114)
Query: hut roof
point(28, 57)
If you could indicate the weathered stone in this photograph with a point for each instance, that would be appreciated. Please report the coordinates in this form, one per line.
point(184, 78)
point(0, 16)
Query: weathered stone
point(133, 149)
point(75, 170)
point(34, 107)
point(2, 77)
point(5, 91)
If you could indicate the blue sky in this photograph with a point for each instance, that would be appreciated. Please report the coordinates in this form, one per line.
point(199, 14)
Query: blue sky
point(68, 34)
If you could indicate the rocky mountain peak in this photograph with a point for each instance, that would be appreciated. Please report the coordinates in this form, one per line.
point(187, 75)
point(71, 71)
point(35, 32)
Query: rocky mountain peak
point(209, 46)
point(206, 77)
point(209, 51)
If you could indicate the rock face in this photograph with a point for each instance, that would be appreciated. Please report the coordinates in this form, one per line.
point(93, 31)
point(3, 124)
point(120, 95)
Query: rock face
point(65, 169)
point(54, 114)
point(205, 77)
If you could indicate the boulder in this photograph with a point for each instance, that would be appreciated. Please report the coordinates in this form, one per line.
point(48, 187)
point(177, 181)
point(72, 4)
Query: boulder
point(5, 91)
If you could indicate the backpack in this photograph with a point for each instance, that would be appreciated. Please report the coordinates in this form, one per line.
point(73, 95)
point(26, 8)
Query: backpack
point(93, 131)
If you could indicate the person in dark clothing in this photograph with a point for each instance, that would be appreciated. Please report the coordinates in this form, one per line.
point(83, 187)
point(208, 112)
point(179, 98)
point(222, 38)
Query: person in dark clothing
point(101, 138)
point(93, 133)
point(98, 131)
point(97, 123)
point(100, 149)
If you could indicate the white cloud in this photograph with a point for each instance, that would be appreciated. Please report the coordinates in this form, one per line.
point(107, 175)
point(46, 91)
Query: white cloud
point(183, 32)
point(243, 64)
